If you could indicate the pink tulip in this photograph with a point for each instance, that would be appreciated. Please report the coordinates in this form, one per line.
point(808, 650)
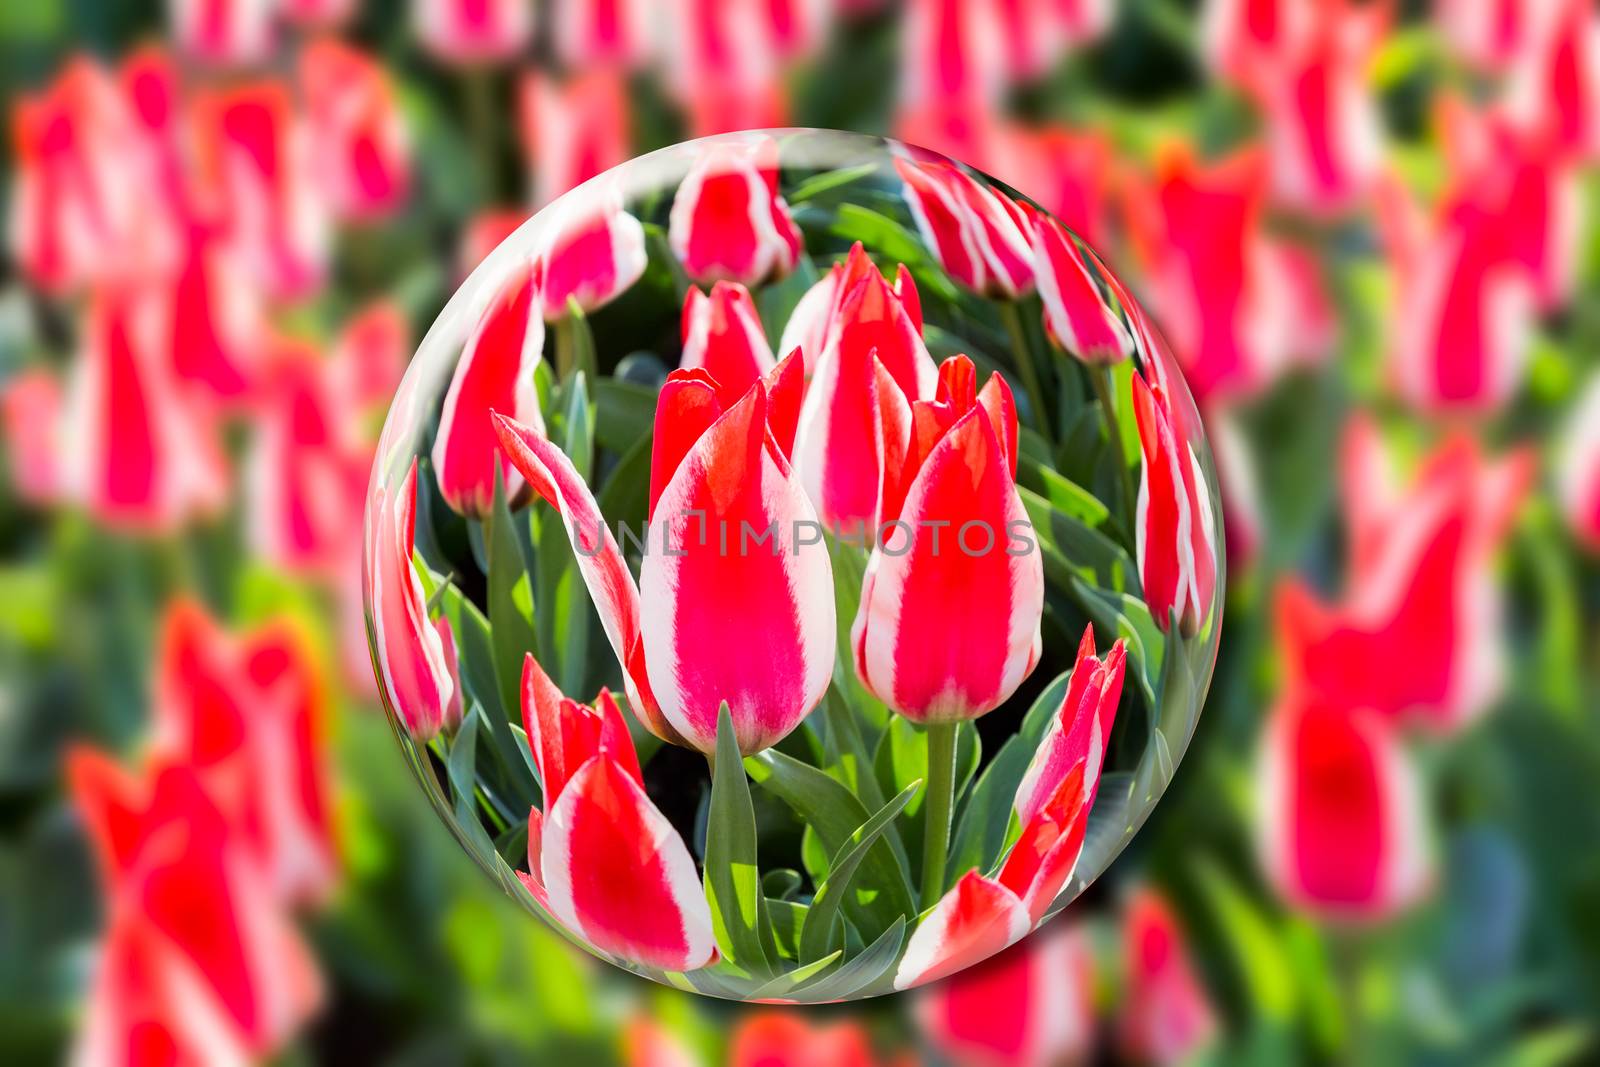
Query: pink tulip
point(1038, 32)
point(978, 234)
point(1579, 472)
point(1030, 1006)
point(722, 335)
point(199, 961)
point(1174, 525)
point(953, 58)
point(572, 130)
point(1167, 1018)
point(1077, 315)
point(473, 31)
point(1340, 812)
point(592, 254)
point(598, 33)
point(727, 516)
point(785, 1038)
point(224, 31)
point(723, 65)
point(495, 373)
point(411, 658)
point(868, 365)
point(949, 626)
point(729, 222)
point(1554, 82)
point(1491, 34)
point(1071, 173)
point(318, 14)
point(362, 150)
point(483, 234)
point(30, 415)
point(971, 922)
point(369, 356)
point(217, 319)
point(602, 858)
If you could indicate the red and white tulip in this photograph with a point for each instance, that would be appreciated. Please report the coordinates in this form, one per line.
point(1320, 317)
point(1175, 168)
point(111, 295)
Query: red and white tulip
point(1174, 525)
point(225, 31)
point(722, 335)
point(363, 151)
point(728, 221)
point(473, 31)
point(1167, 1017)
point(593, 253)
point(572, 130)
point(1076, 314)
point(973, 921)
point(978, 234)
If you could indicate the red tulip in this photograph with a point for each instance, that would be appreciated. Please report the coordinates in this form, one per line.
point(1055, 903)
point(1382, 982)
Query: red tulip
point(411, 659)
point(1030, 1006)
point(572, 130)
point(868, 365)
point(1579, 474)
point(602, 858)
point(225, 31)
point(592, 254)
point(1555, 82)
point(30, 412)
point(1078, 317)
point(1175, 529)
point(973, 921)
point(217, 319)
point(722, 335)
point(1418, 587)
point(729, 222)
point(483, 234)
point(953, 57)
point(777, 1038)
point(978, 234)
point(1167, 1018)
point(495, 373)
point(1238, 34)
point(473, 31)
point(723, 65)
point(725, 567)
point(597, 33)
point(318, 14)
point(1340, 811)
point(146, 454)
point(1079, 729)
point(949, 626)
point(199, 961)
point(369, 356)
point(362, 150)
point(1491, 34)
point(1070, 172)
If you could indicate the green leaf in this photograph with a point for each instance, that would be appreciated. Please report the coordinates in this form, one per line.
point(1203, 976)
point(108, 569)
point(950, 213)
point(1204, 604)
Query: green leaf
point(817, 936)
point(785, 984)
point(461, 770)
point(829, 180)
point(1062, 493)
point(574, 344)
point(733, 877)
point(510, 599)
point(1127, 616)
point(863, 972)
point(1073, 549)
point(833, 813)
point(624, 413)
point(892, 242)
point(1256, 945)
point(788, 918)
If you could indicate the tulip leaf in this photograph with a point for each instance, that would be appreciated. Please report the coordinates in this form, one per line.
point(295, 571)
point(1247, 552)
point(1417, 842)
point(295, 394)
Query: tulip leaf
point(817, 936)
point(1062, 493)
point(624, 413)
point(861, 972)
point(1073, 549)
point(785, 984)
point(829, 180)
point(834, 814)
point(732, 874)
point(574, 344)
point(1255, 943)
point(1127, 616)
point(788, 918)
point(461, 769)
point(510, 601)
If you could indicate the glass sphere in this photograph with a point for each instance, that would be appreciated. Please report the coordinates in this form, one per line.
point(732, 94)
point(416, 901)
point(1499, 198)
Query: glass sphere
point(793, 566)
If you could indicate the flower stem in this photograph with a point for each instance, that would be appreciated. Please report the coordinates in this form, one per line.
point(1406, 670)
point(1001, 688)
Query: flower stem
point(1011, 316)
point(1101, 377)
point(941, 794)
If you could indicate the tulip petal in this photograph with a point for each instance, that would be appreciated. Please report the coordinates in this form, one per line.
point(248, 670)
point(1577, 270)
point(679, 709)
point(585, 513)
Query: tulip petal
point(728, 221)
point(591, 258)
point(1079, 729)
point(1043, 858)
point(973, 921)
point(1077, 316)
point(722, 335)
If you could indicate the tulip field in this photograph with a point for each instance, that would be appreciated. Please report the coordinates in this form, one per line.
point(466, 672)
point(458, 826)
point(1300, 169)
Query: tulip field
point(370, 691)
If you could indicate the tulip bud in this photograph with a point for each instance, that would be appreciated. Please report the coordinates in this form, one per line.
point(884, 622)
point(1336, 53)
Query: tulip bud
point(1175, 528)
point(729, 222)
point(1077, 316)
point(978, 234)
point(1167, 1018)
point(592, 255)
point(722, 335)
point(473, 31)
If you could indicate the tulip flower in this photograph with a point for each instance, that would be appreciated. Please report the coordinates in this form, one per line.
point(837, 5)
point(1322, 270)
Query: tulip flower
point(1174, 525)
point(598, 33)
point(1078, 731)
point(1030, 1006)
point(602, 858)
point(593, 253)
point(1554, 85)
point(1071, 173)
point(722, 335)
point(146, 453)
point(362, 148)
point(953, 56)
point(30, 413)
point(216, 319)
point(869, 366)
point(198, 958)
point(317, 14)
point(723, 65)
point(972, 922)
point(483, 234)
point(1579, 473)
point(729, 222)
point(1077, 316)
point(1167, 1018)
point(1038, 32)
point(495, 373)
point(473, 31)
point(572, 130)
point(978, 234)
point(778, 1038)
point(1340, 811)
point(725, 568)
point(1418, 587)
point(225, 31)
point(369, 356)
point(948, 628)
point(1490, 34)
point(410, 657)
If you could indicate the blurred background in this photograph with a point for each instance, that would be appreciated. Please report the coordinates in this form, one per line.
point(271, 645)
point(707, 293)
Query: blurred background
point(1367, 230)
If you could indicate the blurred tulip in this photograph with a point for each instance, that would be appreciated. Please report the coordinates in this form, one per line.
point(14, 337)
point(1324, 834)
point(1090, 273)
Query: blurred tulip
point(716, 473)
point(483, 234)
point(593, 253)
point(787, 1039)
point(198, 959)
point(1491, 34)
point(979, 236)
point(610, 866)
point(1340, 811)
point(473, 31)
point(1030, 1006)
point(868, 365)
point(362, 151)
point(216, 319)
point(597, 33)
point(722, 335)
point(972, 922)
point(495, 373)
point(369, 356)
point(146, 453)
point(225, 31)
point(1418, 589)
point(1237, 34)
point(572, 130)
point(723, 64)
point(1076, 315)
point(952, 62)
point(1167, 1017)
point(1069, 172)
point(318, 14)
point(948, 633)
point(1555, 82)
point(1579, 471)
point(729, 222)
point(648, 1043)
point(257, 164)
point(1244, 528)
point(30, 412)
point(409, 655)
point(1175, 527)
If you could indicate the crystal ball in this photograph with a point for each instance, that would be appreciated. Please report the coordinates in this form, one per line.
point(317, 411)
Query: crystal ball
point(793, 566)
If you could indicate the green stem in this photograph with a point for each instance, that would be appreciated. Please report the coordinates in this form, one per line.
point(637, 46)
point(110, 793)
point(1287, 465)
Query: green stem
point(1101, 377)
point(1011, 316)
point(941, 795)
